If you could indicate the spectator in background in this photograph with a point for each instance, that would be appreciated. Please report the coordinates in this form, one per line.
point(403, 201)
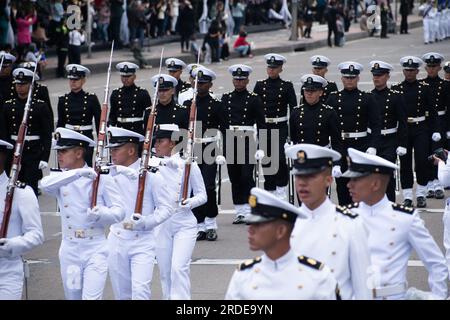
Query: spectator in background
point(320, 9)
point(62, 47)
point(331, 19)
point(384, 12)
point(161, 8)
point(136, 21)
point(116, 18)
point(309, 18)
point(212, 39)
point(57, 15)
point(104, 16)
point(185, 24)
point(24, 21)
point(340, 29)
point(174, 12)
point(237, 12)
point(242, 46)
point(4, 22)
point(76, 39)
point(404, 11)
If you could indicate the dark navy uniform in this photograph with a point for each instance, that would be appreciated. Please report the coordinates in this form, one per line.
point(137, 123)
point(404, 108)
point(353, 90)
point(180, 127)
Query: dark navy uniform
point(174, 65)
point(277, 96)
point(6, 78)
point(243, 109)
point(211, 116)
point(417, 98)
point(38, 140)
point(357, 111)
point(392, 109)
point(76, 110)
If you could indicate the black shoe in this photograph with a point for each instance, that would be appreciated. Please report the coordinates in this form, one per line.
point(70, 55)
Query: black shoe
point(439, 194)
point(421, 202)
point(211, 235)
point(408, 203)
point(430, 194)
point(201, 235)
point(239, 220)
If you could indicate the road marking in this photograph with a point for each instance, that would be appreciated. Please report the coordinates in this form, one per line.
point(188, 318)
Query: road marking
point(38, 261)
point(430, 210)
point(50, 213)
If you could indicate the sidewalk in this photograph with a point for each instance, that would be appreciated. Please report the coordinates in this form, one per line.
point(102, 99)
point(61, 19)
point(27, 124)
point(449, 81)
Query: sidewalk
point(264, 42)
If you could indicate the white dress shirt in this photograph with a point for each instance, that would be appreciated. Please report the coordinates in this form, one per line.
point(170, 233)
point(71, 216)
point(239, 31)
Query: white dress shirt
point(25, 227)
point(394, 231)
point(283, 279)
point(339, 241)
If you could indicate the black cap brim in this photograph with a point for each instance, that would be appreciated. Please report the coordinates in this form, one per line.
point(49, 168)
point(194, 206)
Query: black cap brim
point(308, 171)
point(355, 174)
point(254, 219)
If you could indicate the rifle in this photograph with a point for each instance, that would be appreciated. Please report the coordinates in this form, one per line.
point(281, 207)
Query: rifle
point(101, 138)
point(146, 150)
point(397, 175)
point(291, 186)
point(17, 158)
point(1, 62)
point(191, 135)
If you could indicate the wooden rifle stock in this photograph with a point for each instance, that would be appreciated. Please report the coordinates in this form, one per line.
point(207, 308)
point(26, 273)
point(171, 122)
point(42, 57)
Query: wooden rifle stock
point(101, 138)
point(17, 158)
point(146, 150)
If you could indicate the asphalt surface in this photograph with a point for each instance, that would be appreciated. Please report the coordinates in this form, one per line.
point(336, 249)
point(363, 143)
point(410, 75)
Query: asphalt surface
point(214, 262)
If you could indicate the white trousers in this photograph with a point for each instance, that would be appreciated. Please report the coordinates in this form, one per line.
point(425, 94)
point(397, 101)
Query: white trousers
point(428, 27)
point(84, 268)
point(446, 221)
point(130, 263)
point(11, 278)
point(175, 242)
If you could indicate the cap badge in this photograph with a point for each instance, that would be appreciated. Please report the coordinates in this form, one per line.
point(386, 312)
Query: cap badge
point(172, 63)
point(301, 157)
point(376, 66)
point(57, 136)
point(161, 80)
point(239, 71)
point(410, 61)
point(318, 60)
point(200, 73)
point(252, 201)
point(351, 68)
point(125, 68)
point(272, 59)
point(74, 69)
point(309, 80)
point(21, 75)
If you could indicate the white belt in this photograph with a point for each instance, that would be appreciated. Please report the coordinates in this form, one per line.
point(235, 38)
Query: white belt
point(126, 231)
point(206, 140)
point(243, 128)
point(78, 127)
point(441, 113)
point(389, 290)
point(384, 131)
point(276, 120)
point(126, 120)
point(346, 135)
point(27, 138)
point(83, 233)
point(418, 119)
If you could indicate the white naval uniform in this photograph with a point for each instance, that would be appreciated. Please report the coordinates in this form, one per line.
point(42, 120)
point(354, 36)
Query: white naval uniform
point(337, 238)
point(428, 23)
point(176, 237)
point(83, 252)
point(287, 278)
point(24, 233)
point(131, 254)
point(444, 179)
point(394, 231)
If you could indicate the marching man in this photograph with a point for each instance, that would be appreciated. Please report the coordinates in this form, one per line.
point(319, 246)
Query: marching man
point(83, 252)
point(24, 232)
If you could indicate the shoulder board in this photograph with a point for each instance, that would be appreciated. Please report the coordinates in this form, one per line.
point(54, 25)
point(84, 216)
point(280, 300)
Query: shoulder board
point(310, 262)
point(330, 81)
point(367, 91)
point(39, 100)
point(184, 90)
point(346, 212)
point(326, 106)
point(20, 185)
point(352, 205)
point(249, 263)
point(55, 170)
point(286, 81)
point(153, 169)
point(396, 84)
point(181, 106)
point(333, 92)
point(228, 93)
point(424, 83)
point(253, 94)
point(297, 107)
point(9, 101)
point(104, 171)
point(402, 208)
point(91, 94)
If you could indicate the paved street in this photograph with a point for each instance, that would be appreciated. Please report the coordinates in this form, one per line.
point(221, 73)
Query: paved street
point(214, 262)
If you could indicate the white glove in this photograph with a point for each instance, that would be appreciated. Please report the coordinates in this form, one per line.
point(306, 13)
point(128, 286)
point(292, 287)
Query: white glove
point(436, 136)
point(416, 294)
point(87, 173)
point(287, 145)
point(43, 165)
point(371, 151)
point(186, 204)
point(259, 154)
point(336, 172)
point(94, 214)
point(401, 151)
point(220, 160)
point(5, 248)
point(138, 221)
point(127, 172)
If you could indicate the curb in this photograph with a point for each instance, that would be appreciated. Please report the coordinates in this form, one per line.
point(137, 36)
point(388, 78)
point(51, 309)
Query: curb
point(49, 73)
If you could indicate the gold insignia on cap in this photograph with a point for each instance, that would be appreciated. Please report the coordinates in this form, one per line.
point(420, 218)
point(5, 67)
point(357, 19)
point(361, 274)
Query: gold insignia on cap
point(351, 67)
point(311, 261)
point(309, 80)
point(410, 61)
point(57, 136)
point(172, 63)
point(284, 216)
point(161, 80)
point(239, 71)
point(74, 69)
point(301, 157)
point(252, 201)
point(125, 68)
point(20, 75)
point(376, 65)
point(200, 73)
point(317, 59)
point(272, 59)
